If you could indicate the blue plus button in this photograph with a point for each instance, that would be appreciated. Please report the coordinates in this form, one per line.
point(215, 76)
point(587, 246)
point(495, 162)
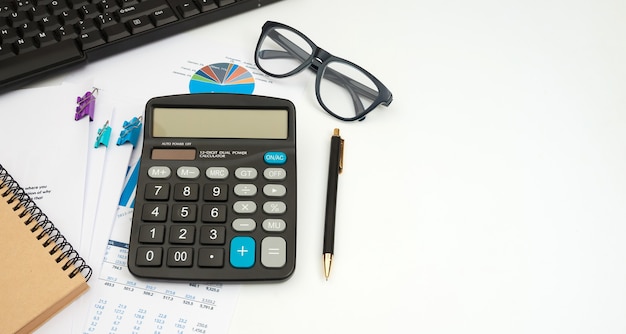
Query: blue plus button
point(275, 158)
point(242, 252)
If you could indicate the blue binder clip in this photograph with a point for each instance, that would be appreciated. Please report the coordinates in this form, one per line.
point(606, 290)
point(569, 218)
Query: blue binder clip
point(131, 132)
point(104, 134)
point(86, 105)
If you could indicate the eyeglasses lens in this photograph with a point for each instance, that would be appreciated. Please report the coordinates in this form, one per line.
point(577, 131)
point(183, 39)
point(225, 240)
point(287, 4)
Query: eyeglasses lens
point(281, 51)
point(346, 91)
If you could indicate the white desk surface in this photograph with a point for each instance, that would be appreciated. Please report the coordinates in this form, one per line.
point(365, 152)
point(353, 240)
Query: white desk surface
point(490, 197)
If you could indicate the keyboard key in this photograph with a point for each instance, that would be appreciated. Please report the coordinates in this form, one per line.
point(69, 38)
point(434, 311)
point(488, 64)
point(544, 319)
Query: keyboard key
point(28, 29)
point(188, 8)
point(105, 20)
point(85, 26)
point(69, 17)
point(24, 5)
point(49, 23)
point(6, 51)
point(66, 32)
point(128, 3)
point(91, 39)
point(207, 5)
point(57, 7)
point(9, 35)
point(163, 16)
point(140, 24)
point(115, 32)
point(77, 3)
point(38, 12)
point(108, 6)
point(25, 45)
point(18, 18)
point(45, 39)
point(89, 11)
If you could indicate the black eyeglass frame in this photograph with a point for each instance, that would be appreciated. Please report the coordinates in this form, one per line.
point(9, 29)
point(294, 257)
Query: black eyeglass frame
point(317, 61)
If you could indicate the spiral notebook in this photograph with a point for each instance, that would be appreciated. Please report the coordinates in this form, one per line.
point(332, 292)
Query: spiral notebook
point(41, 271)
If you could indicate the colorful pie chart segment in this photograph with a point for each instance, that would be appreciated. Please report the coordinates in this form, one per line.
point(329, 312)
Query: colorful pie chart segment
point(222, 78)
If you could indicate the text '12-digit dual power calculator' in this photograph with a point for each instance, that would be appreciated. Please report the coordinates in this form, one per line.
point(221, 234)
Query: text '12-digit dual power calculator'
point(216, 193)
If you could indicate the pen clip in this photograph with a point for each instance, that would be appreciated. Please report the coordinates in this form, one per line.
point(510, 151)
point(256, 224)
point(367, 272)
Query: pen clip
point(336, 134)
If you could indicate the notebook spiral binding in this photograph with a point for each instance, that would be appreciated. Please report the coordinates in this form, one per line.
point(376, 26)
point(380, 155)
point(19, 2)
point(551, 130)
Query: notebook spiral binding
point(43, 226)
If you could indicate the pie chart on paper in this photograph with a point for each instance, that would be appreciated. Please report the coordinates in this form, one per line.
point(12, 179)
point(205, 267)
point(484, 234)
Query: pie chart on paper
point(222, 78)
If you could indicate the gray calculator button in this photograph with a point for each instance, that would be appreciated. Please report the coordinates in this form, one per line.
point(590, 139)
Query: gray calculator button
point(274, 207)
point(244, 207)
point(159, 172)
point(217, 173)
point(274, 225)
point(273, 252)
point(187, 172)
point(245, 173)
point(274, 174)
point(274, 190)
point(245, 190)
point(244, 224)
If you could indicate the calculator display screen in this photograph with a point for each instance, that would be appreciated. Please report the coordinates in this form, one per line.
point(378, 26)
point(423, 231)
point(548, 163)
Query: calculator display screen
point(220, 123)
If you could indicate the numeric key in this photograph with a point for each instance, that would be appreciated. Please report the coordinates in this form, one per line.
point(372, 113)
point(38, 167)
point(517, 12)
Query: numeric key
point(157, 191)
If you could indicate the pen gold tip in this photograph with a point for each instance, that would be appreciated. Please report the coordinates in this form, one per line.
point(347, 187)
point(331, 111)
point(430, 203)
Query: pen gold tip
point(336, 132)
point(328, 260)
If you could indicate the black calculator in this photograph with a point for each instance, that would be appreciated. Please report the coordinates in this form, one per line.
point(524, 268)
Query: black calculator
point(216, 193)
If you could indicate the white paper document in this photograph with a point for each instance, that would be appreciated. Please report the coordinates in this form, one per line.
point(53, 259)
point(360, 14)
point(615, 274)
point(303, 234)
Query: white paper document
point(45, 150)
point(122, 303)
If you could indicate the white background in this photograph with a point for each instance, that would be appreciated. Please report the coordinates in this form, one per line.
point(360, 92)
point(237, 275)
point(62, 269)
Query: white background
point(489, 197)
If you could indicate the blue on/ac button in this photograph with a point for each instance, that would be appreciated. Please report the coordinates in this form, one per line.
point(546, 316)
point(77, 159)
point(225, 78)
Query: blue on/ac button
point(242, 252)
point(275, 158)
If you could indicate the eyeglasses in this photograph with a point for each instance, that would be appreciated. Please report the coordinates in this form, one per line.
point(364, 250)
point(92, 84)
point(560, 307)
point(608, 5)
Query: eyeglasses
point(343, 89)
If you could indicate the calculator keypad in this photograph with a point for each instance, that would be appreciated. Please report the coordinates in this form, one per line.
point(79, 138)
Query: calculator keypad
point(214, 218)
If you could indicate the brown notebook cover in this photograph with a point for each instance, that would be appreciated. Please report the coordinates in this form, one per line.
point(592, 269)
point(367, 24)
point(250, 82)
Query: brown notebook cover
point(40, 272)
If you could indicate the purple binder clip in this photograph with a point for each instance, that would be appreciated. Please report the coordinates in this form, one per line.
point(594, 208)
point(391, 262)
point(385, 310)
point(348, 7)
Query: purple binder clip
point(131, 132)
point(86, 105)
point(104, 134)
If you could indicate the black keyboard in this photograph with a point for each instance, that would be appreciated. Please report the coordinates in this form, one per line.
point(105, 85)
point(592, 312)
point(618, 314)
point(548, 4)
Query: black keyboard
point(38, 37)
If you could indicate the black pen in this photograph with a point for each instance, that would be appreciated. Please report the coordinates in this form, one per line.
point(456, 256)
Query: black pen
point(335, 166)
